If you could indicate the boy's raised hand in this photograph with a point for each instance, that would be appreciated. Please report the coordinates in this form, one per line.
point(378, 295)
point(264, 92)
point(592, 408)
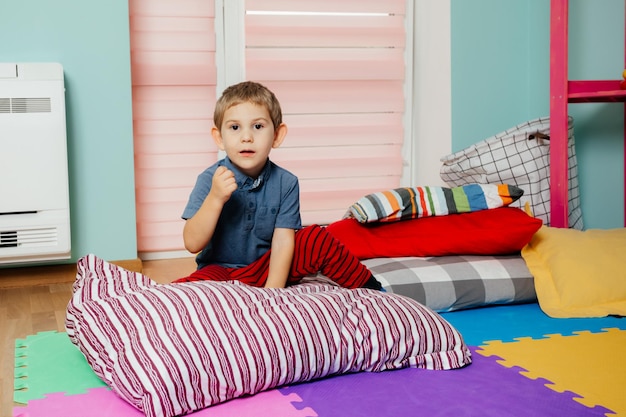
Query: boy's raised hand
point(199, 229)
point(224, 184)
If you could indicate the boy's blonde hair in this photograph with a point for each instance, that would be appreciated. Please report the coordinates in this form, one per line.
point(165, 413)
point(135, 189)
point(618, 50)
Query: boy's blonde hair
point(244, 92)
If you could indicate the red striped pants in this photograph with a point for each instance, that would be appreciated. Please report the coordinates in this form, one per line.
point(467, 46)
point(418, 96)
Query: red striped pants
point(315, 251)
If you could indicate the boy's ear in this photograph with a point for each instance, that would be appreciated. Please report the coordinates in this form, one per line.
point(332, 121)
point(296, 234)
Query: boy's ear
point(279, 135)
point(217, 137)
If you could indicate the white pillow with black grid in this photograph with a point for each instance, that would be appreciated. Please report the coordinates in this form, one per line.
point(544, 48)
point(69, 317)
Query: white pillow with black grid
point(518, 156)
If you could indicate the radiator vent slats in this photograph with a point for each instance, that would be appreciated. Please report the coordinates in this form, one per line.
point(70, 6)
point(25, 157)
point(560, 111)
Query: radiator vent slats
point(45, 236)
point(5, 105)
point(25, 105)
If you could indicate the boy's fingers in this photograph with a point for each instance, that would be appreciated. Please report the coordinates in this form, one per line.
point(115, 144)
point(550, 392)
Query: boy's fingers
point(222, 171)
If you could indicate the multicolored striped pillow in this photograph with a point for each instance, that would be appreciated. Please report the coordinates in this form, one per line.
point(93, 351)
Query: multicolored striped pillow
point(414, 202)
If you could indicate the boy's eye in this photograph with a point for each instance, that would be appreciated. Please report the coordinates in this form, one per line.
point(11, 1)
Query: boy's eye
point(234, 127)
point(258, 126)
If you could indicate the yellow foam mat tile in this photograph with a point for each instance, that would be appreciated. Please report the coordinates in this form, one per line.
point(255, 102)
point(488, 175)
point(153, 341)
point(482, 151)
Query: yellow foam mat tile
point(591, 365)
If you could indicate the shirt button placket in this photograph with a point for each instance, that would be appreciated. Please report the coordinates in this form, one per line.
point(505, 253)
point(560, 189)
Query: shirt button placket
point(250, 210)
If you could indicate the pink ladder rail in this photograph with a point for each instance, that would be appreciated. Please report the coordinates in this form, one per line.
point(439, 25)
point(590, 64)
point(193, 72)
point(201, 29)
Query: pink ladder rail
point(558, 113)
point(562, 92)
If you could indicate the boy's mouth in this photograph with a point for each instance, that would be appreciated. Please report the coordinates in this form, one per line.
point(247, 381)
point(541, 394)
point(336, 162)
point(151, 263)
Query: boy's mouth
point(246, 152)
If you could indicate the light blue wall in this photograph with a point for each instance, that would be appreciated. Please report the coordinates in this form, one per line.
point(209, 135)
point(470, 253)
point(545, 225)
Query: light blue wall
point(500, 64)
point(499, 67)
point(91, 41)
point(500, 77)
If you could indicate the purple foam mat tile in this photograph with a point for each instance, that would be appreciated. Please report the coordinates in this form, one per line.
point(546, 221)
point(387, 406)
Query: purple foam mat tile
point(598, 410)
point(484, 388)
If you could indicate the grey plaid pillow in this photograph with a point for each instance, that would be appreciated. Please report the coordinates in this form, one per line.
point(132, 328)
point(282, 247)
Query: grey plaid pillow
point(447, 283)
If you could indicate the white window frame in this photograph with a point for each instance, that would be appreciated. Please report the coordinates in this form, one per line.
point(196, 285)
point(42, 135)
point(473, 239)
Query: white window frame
point(431, 130)
point(427, 83)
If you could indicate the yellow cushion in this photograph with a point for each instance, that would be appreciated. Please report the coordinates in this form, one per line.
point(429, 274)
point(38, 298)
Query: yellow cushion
point(579, 273)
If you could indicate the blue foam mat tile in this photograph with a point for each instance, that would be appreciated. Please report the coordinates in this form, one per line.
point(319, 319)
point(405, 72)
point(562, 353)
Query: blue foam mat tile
point(504, 323)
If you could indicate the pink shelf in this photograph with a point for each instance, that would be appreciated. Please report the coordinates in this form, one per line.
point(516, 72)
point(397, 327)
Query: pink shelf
point(599, 91)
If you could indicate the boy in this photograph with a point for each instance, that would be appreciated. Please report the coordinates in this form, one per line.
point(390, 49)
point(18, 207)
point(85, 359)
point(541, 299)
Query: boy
point(243, 215)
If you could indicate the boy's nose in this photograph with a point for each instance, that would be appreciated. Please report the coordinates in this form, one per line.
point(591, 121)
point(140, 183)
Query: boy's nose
point(246, 135)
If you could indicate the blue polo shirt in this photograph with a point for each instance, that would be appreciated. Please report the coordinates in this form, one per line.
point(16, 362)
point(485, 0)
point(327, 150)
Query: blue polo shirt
point(246, 225)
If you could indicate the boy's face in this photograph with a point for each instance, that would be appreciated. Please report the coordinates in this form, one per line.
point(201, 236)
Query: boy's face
point(247, 135)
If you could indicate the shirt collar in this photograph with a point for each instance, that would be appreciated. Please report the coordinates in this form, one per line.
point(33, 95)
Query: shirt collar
point(245, 182)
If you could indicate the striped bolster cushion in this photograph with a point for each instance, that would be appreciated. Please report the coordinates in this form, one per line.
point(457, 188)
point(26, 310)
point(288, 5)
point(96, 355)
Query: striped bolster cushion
point(172, 349)
point(414, 202)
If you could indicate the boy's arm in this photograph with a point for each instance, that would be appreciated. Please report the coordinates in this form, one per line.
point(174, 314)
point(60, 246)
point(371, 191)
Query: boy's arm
point(283, 243)
point(199, 229)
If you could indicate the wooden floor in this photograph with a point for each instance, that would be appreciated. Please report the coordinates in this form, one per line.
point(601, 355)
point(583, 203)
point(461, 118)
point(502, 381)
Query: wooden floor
point(39, 303)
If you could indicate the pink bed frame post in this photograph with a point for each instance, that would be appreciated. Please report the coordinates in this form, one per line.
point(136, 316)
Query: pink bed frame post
point(558, 113)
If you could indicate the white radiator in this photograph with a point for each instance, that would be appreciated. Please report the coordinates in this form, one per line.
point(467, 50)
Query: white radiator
point(34, 188)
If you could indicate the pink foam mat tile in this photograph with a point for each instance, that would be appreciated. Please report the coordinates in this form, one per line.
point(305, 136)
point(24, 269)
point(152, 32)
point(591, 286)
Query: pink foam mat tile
point(101, 402)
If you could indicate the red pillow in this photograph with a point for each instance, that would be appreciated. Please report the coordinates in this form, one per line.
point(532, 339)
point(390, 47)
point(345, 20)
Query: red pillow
point(497, 231)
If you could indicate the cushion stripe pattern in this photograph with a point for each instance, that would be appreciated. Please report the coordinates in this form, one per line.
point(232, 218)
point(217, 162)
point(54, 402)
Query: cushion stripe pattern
point(176, 348)
point(415, 202)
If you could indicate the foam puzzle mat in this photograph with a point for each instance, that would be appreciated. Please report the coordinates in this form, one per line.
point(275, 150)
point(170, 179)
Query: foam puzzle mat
point(48, 362)
point(566, 367)
point(524, 364)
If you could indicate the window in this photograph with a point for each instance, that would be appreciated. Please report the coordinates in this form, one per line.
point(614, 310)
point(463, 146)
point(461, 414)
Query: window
point(338, 67)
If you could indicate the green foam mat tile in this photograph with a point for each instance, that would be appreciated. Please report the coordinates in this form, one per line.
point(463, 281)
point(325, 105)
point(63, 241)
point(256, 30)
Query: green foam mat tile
point(48, 362)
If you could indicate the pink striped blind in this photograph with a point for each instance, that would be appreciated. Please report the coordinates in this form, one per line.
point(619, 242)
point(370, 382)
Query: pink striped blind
point(174, 91)
point(336, 66)
point(338, 69)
